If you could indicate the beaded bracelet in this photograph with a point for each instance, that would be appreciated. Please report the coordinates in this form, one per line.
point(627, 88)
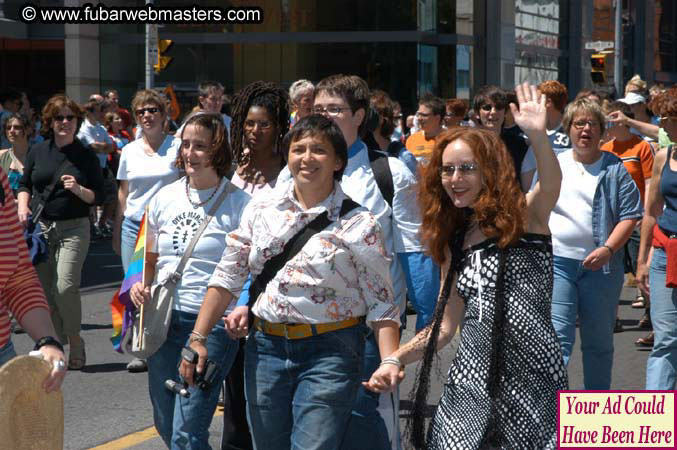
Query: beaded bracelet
point(197, 337)
point(395, 361)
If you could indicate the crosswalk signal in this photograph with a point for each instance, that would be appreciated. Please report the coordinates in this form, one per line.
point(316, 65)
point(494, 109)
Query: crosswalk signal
point(163, 61)
point(598, 66)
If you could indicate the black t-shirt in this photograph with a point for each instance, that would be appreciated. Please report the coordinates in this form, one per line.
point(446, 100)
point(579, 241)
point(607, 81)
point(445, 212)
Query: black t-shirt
point(517, 145)
point(44, 159)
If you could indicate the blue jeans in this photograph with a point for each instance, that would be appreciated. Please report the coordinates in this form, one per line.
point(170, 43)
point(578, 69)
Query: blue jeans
point(300, 392)
point(661, 368)
point(367, 428)
point(593, 297)
point(6, 353)
point(128, 232)
point(183, 423)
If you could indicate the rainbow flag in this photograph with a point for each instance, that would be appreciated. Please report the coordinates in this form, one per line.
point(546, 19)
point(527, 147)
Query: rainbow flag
point(122, 308)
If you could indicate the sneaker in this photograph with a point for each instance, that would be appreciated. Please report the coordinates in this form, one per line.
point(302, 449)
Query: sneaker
point(639, 302)
point(106, 231)
point(137, 365)
point(95, 233)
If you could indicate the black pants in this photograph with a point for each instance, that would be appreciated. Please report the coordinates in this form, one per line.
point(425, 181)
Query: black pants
point(236, 434)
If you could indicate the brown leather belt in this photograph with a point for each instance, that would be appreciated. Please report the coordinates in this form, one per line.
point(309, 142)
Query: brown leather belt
point(302, 330)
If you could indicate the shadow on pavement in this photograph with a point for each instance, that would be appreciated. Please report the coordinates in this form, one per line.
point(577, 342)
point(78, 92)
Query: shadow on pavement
point(104, 368)
point(96, 326)
point(102, 266)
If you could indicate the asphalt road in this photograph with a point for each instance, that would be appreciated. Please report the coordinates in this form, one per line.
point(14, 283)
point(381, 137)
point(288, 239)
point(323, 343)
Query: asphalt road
point(107, 406)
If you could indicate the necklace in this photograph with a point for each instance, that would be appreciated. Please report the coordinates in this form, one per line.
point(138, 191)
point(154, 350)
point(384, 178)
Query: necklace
point(198, 204)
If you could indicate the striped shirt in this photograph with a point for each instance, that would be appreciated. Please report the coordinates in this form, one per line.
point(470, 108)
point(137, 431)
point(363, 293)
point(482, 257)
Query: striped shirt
point(20, 289)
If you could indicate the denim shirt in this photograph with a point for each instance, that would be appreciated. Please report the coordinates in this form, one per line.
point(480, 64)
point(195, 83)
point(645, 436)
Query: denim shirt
point(616, 198)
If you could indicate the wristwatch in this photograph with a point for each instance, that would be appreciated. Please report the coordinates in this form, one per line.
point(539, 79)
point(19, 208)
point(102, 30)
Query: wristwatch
point(47, 340)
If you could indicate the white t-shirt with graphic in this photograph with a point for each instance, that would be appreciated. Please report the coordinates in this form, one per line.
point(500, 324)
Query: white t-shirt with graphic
point(146, 174)
point(172, 221)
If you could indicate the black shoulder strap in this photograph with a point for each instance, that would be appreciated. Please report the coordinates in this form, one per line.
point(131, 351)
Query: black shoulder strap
point(382, 174)
point(292, 247)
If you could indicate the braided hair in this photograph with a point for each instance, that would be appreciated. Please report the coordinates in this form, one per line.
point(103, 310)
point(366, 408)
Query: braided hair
point(266, 95)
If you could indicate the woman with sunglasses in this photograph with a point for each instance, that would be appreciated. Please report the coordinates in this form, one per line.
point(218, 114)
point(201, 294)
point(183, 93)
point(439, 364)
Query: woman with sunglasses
point(73, 170)
point(146, 165)
point(598, 207)
point(657, 261)
point(494, 247)
point(12, 159)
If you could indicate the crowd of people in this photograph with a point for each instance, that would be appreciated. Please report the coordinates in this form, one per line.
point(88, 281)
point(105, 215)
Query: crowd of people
point(299, 225)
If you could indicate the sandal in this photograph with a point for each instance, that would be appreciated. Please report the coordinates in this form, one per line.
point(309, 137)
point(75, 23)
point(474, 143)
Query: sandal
point(77, 357)
point(646, 341)
point(640, 302)
point(645, 322)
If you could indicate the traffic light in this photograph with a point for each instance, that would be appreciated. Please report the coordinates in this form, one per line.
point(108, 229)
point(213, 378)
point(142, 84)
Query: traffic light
point(598, 66)
point(163, 61)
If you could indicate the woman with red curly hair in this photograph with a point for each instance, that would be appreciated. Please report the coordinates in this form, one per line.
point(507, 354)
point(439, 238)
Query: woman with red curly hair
point(494, 247)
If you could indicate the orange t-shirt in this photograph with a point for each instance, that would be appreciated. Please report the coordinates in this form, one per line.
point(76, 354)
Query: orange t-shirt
point(637, 158)
point(420, 147)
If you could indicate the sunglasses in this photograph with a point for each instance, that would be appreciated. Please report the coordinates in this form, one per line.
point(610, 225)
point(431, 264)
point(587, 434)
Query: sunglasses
point(60, 118)
point(142, 111)
point(463, 169)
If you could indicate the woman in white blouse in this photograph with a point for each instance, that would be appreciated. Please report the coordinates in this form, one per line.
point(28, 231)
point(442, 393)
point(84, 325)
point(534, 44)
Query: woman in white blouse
point(305, 350)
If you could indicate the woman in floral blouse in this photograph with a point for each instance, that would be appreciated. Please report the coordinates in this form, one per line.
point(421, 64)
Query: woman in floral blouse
point(305, 350)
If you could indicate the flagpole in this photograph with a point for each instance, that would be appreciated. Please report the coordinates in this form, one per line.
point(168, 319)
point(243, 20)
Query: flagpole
point(143, 279)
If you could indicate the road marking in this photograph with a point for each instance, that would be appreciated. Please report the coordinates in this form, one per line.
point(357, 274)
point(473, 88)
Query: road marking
point(137, 438)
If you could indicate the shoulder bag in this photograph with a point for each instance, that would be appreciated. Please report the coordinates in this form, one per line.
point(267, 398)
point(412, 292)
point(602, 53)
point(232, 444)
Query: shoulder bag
point(157, 313)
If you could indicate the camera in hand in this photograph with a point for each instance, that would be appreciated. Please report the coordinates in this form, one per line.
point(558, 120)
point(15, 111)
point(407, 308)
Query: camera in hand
point(204, 379)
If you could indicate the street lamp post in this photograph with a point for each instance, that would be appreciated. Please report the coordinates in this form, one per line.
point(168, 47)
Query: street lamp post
point(618, 48)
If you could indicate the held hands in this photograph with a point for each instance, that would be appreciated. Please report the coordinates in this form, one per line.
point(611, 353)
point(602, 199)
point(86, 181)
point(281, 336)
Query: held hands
point(187, 369)
point(385, 378)
point(57, 359)
point(597, 258)
point(237, 322)
point(531, 115)
point(139, 294)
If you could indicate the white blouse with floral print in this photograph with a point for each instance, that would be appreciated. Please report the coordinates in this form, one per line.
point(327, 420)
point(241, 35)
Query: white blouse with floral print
point(341, 272)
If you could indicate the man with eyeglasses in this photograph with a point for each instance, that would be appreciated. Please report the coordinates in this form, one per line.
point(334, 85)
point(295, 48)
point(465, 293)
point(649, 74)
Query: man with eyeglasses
point(430, 114)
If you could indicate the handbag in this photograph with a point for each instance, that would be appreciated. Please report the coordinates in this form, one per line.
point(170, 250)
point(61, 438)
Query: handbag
point(37, 202)
point(157, 313)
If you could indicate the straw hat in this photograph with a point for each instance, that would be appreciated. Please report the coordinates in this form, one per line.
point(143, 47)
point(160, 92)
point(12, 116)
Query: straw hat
point(30, 419)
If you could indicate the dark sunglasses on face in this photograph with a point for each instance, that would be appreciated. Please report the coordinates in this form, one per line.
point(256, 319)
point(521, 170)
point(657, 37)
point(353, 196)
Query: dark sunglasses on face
point(69, 117)
point(488, 106)
point(142, 111)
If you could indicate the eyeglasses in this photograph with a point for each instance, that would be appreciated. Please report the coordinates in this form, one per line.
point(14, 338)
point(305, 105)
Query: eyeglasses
point(580, 124)
point(488, 107)
point(464, 169)
point(330, 110)
point(424, 115)
point(142, 111)
point(263, 124)
point(69, 117)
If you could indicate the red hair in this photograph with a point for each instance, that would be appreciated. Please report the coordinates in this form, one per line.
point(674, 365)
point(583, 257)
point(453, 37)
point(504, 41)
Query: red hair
point(500, 207)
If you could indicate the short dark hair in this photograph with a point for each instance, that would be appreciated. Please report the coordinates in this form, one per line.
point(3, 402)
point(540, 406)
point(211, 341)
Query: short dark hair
point(24, 120)
point(490, 93)
point(318, 125)
point(9, 94)
point(435, 104)
point(221, 157)
point(205, 87)
point(622, 107)
point(353, 89)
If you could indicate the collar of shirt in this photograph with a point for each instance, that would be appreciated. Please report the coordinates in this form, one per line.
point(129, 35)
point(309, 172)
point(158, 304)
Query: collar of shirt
point(356, 148)
point(331, 204)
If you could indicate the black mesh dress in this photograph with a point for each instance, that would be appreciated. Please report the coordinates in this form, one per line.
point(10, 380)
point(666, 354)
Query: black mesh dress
point(501, 387)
